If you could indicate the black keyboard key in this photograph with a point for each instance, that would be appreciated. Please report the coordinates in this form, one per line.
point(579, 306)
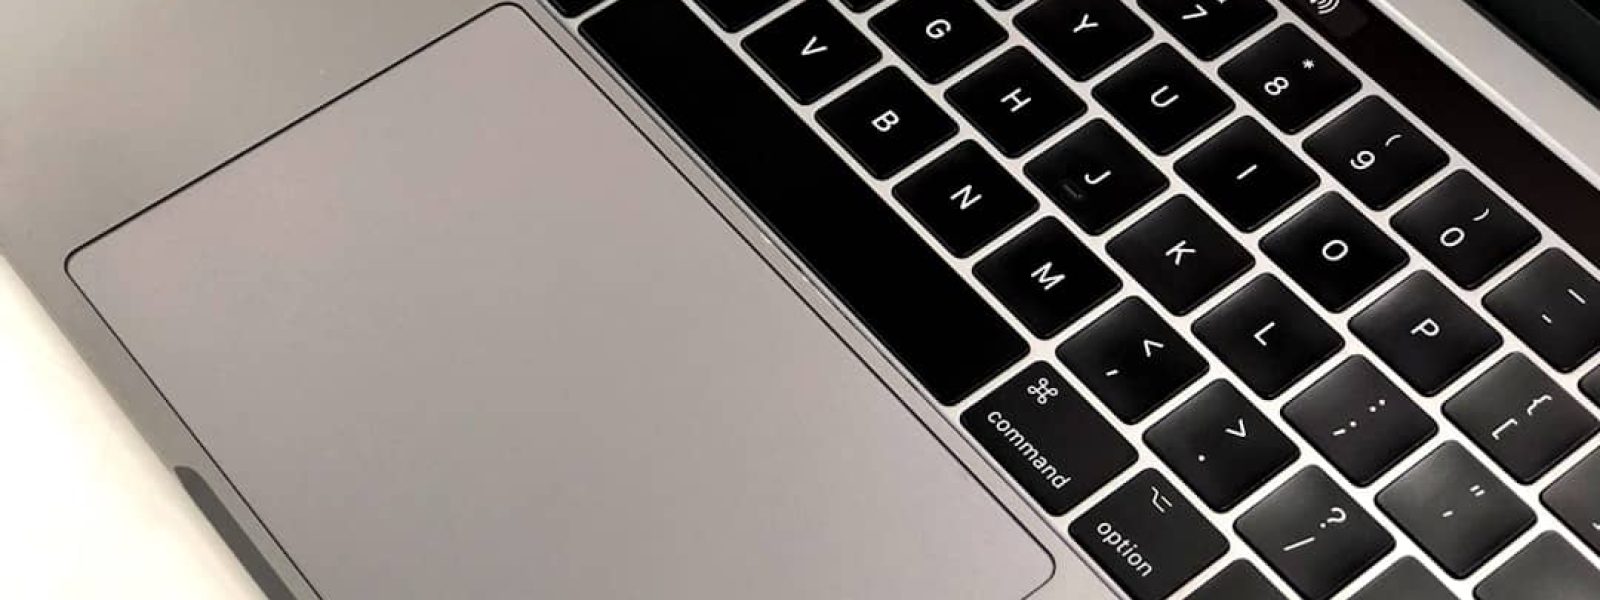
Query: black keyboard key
point(1314, 535)
point(965, 199)
point(1048, 438)
point(1268, 336)
point(1573, 499)
point(1047, 278)
point(1163, 99)
point(886, 122)
point(811, 50)
point(1016, 102)
point(1210, 27)
point(1376, 153)
point(1132, 360)
point(860, 5)
point(1548, 569)
point(1148, 538)
point(1096, 177)
point(1554, 305)
point(1004, 4)
point(1290, 79)
point(854, 242)
point(1465, 229)
point(734, 15)
point(1591, 385)
point(1247, 174)
point(1221, 446)
point(1407, 579)
point(573, 8)
point(1083, 37)
point(1180, 255)
point(1239, 581)
point(1360, 420)
point(1521, 418)
point(1425, 332)
point(1334, 252)
point(938, 37)
point(1455, 509)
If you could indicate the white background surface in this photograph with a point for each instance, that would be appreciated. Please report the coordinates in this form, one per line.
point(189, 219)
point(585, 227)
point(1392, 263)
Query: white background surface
point(86, 510)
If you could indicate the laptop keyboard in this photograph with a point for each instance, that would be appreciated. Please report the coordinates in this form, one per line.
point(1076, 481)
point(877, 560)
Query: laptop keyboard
point(1230, 317)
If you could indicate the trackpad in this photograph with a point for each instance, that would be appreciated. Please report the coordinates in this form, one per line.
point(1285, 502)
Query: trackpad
point(464, 334)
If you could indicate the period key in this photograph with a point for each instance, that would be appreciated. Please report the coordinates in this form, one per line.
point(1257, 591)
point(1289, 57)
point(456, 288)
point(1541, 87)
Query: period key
point(1221, 445)
point(1048, 438)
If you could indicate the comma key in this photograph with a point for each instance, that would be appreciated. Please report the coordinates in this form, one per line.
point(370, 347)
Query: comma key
point(1048, 438)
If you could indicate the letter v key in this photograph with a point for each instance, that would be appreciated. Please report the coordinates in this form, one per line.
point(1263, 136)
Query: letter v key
point(812, 47)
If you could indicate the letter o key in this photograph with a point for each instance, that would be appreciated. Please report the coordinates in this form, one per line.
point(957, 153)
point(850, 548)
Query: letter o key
point(1453, 237)
point(1335, 251)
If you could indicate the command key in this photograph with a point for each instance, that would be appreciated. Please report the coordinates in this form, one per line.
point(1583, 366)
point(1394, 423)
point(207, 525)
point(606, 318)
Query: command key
point(1056, 446)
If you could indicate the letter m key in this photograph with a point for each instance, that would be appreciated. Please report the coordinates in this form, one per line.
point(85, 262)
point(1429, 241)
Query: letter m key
point(1046, 278)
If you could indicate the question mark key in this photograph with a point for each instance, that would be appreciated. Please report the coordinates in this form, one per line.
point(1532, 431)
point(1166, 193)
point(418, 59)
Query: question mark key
point(1345, 541)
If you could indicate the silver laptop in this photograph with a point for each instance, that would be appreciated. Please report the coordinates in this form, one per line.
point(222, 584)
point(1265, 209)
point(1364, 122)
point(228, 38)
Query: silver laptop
point(837, 298)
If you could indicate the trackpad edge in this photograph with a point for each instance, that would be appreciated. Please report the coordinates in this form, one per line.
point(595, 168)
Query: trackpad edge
point(464, 333)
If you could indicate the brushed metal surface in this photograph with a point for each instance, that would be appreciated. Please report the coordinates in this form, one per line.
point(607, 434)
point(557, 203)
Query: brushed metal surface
point(107, 108)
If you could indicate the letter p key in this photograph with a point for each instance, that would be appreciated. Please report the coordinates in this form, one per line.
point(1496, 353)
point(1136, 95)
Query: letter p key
point(1428, 328)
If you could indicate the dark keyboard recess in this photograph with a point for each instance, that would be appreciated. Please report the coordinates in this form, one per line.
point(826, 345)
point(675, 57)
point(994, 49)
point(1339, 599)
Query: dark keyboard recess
point(915, 303)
